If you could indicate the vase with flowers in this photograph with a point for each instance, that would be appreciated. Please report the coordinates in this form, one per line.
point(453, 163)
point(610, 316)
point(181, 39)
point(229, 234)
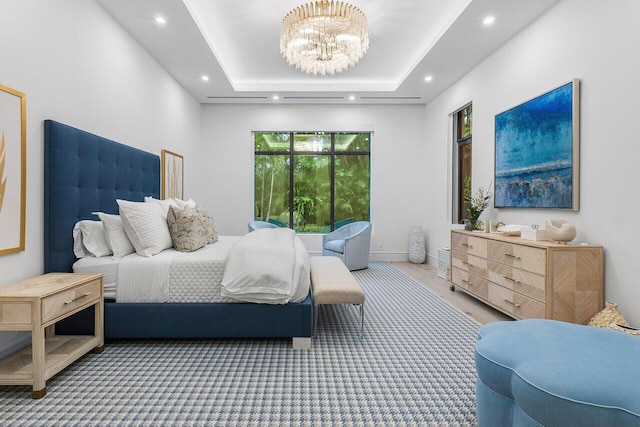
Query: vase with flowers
point(476, 203)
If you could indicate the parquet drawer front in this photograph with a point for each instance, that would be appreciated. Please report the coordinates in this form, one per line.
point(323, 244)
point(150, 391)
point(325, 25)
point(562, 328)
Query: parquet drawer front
point(514, 303)
point(524, 257)
point(527, 283)
point(469, 244)
point(15, 314)
point(470, 263)
point(64, 302)
point(473, 284)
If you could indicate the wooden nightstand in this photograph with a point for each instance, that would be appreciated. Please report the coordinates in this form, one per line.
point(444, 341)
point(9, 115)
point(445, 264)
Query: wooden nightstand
point(35, 305)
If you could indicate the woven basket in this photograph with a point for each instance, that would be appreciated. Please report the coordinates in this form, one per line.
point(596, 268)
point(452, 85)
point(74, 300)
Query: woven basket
point(626, 329)
point(610, 315)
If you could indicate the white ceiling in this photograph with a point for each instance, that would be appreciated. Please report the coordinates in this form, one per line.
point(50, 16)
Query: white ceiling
point(236, 44)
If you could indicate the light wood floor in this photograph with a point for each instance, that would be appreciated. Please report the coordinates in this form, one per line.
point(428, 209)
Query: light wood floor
point(428, 276)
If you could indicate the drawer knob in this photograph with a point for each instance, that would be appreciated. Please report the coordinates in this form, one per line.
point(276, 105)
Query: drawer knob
point(512, 303)
point(86, 294)
point(467, 245)
point(512, 256)
point(512, 279)
point(465, 262)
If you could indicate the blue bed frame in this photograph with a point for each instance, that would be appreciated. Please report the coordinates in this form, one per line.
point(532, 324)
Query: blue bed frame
point(85, 173)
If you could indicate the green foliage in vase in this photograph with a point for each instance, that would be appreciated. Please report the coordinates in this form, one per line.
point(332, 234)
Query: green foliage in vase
point(476, 202)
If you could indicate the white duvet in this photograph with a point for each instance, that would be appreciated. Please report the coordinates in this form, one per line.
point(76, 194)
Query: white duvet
point(269, 265)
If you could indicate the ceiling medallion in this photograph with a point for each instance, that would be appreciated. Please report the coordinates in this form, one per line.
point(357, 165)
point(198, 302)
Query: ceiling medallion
point(324, 37)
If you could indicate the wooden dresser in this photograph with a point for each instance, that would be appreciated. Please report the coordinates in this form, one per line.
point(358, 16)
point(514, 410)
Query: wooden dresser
point(529, 279)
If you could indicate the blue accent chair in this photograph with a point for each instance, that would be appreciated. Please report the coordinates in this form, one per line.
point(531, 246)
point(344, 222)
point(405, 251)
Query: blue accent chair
point(254, 225)
point(539, 372)
point(350, 243)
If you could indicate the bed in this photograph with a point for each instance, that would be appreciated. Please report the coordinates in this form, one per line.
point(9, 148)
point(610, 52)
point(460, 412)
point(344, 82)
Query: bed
point(85, 173)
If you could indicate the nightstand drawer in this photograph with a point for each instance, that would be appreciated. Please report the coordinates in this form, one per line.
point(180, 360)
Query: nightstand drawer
point(15, 314)
point(64, 302)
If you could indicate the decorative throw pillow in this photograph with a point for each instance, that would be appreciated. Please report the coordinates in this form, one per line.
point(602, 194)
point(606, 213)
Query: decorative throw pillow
point(115, 235)
point(146, 227)
point(187, 229)
point(209, 225)
point(89, 239)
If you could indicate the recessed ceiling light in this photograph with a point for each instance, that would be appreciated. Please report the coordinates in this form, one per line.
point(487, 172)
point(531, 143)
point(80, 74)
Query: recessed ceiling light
point(488, 20)
point(275, 97)
point(160, 20)
point(428, 78)
point(352, 98)
point(204, 78)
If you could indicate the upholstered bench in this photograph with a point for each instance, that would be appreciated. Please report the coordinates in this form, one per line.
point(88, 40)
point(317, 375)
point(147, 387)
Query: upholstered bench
point(333, 283)
point(547, 373)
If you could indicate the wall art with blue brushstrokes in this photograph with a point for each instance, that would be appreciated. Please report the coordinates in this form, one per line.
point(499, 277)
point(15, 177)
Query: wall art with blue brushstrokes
point(535, 155)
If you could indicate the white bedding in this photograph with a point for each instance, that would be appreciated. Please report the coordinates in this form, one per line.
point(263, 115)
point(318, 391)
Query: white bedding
point(268, 265)
point(178, 277)
point(107, 266)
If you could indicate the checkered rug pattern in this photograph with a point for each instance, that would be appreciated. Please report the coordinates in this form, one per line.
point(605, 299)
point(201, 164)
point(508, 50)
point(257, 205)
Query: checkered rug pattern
point(414, 366)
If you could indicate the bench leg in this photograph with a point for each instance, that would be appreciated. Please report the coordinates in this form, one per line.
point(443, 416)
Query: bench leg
point(315, 321)
point(361, 321)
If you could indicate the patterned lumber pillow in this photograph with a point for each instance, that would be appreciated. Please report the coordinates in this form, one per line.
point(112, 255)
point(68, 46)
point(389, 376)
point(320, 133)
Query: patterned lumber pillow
point(209, 225)
point(187, 229)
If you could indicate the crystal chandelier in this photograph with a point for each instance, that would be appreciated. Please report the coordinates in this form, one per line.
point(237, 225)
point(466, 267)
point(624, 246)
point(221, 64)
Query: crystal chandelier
point(324, 37)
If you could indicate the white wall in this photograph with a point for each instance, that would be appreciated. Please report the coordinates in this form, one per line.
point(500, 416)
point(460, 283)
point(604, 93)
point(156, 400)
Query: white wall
point(77, 66)
point(398, 175)
point(592, 40)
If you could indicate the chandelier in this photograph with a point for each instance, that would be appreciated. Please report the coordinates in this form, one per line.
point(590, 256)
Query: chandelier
point(324, 37)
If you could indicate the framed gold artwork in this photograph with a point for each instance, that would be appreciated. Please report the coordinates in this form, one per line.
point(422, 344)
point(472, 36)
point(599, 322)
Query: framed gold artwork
point(172, 175)
point(13, 160)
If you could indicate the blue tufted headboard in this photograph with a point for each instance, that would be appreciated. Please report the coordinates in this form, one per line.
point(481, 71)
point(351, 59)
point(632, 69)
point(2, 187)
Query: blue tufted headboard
point(85, 173)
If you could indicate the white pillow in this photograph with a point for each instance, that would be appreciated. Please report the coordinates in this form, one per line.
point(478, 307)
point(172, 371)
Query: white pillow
point(115, 235)
point(164, 204)
point(89, 239)
point(183, 204)
point(146, 226)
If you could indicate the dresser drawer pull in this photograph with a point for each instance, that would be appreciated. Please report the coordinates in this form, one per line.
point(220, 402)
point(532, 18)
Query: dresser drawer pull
point(512, 303)
point(512, 256)
point(467, 245)
point(513, 280)
point(86, 294)
point(465, 281)
point(465, 262)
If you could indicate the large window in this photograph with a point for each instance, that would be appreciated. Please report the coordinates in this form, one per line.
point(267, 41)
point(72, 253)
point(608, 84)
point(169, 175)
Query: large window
point(313, 182)
point(462, 135)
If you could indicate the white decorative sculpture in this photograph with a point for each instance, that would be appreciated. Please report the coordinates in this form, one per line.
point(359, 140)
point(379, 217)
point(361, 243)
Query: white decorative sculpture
point(417, 250)
point(560, 230)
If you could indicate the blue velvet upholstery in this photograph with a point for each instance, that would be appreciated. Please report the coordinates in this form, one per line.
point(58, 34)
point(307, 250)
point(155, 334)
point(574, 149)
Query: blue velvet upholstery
point(350, 243)
point(86, 173)
point(547, 373)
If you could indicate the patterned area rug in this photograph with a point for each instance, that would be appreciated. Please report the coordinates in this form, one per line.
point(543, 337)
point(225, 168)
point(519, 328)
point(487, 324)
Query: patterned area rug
point(413, 367)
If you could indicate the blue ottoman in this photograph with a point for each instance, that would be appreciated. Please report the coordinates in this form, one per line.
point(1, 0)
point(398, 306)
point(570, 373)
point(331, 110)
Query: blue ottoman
point(547, 373)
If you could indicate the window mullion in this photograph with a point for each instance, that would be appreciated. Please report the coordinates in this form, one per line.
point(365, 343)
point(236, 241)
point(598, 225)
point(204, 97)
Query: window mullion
point(291, 172)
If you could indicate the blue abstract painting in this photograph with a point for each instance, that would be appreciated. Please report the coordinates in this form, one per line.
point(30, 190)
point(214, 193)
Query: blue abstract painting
point(535, 158)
